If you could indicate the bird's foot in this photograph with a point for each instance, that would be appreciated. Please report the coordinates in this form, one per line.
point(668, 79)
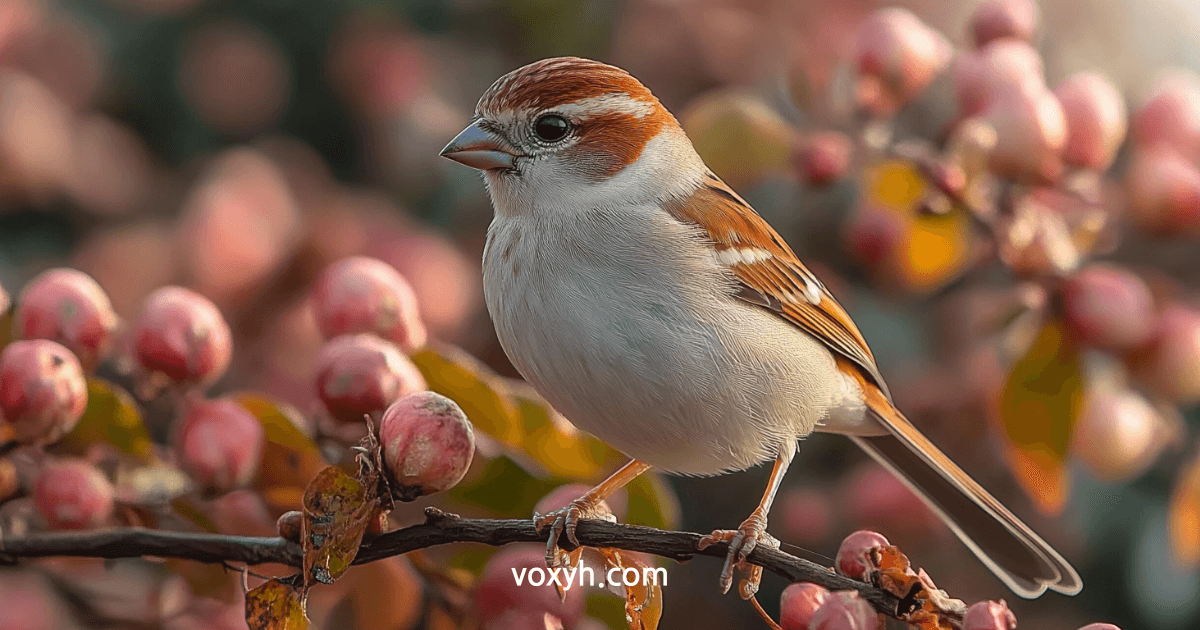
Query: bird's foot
point(742, 541)
point(567, 519)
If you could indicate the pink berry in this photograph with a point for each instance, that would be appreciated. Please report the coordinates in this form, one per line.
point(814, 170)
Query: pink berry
point(798, 604)
point(182, 335)
point(1109, 307)
point(1001, 66)
point(996, 19)
point(220, 444)
point(823, 157)
point(874, 235)
point(1031, 131)
point(988, 615)
point(363, 374)
point(367, 295)
point(1171, 116)
point(288, 525)
point(1100, 626)
point(1096, 119)
point(1170, 366)
point(67, 306)
point(428, 444)
point(1163, 190)
point(854, 556)
point(1118, 435)
point(898, 55)
point(43, 392)
point(505, 585)
point(73, 494)
point(844, 610)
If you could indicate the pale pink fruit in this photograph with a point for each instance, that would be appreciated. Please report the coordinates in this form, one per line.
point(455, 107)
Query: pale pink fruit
point(1109, 307)
point(1170, 366)
point(996, 19)
point(1171, 115)
point(363, 374)
point(798, 603)
point(1118, 435)
point(1031, 131)
point(898, 55)
point(844, 610)
point(497, 590)
point(367, 295)
point(69, 307)
point(43, 392)
point(854, 556)
point(220, 444)
point(1001, 66)
point(1096, 119)
point(73, 494)
point(428, 444)
point(1163, 190)
point(182, 335)
point(823, 157)
point(989, 615)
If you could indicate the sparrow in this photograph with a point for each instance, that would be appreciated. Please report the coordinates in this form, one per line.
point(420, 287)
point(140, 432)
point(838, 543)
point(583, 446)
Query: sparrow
point(655, 309)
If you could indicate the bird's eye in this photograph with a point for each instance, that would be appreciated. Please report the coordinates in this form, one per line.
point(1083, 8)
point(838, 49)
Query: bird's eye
point(551, 127)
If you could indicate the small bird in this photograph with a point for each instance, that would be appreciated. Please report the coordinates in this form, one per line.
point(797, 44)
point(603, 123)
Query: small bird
point(655, 309)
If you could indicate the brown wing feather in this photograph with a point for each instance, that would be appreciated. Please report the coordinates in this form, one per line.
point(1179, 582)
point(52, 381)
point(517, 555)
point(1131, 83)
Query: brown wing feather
point(780, 283)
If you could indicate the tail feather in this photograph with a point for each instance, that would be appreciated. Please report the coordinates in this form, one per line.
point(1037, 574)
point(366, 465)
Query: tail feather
point(1018, 556)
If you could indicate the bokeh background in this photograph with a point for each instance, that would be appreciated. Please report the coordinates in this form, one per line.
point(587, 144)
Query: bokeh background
point(238, 147)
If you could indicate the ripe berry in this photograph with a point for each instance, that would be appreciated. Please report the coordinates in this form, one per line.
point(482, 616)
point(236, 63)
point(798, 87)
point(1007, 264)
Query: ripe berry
point(1170, 366)
point(73, 494)
point(823, 157)
point(181, 334)
point(897, 56)
point(996, 19)
point(1170, 118)
point(844, 610)
point(1109, 307)
point(1118, 435)
point(428, 444)
point(988, 615)
point(798, 603)
point(1031, 131)
point(69, 307)
point(854, 556)
point(220, 444)
point(367, 295)
point(363, 374)
point(1002, 66)
point(1096, 119)
point(497, 590)
point(1164, 190)
point(42, 390)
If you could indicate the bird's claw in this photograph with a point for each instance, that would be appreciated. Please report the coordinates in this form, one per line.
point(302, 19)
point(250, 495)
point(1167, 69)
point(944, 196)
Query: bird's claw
point(742, 541)
point(567, 519)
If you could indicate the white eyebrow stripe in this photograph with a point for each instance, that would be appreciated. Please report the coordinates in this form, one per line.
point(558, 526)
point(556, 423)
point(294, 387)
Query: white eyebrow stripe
point(614, 103)
point(742, 256)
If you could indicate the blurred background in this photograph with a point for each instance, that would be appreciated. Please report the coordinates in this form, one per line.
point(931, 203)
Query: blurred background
point(982, 236)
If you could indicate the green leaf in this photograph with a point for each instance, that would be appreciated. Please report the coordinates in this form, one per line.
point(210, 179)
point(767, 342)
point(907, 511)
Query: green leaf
point(1040, 403)
point(503, 488)
point(482, 394)
point(291, 459)
point(275, 606)
point(652, 502)
point(111, 417)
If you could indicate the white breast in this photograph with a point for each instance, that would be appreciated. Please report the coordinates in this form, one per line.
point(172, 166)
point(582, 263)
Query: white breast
point(637, 342)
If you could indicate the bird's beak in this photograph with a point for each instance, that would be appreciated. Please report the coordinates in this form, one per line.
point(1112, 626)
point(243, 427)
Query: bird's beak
point(479, 148)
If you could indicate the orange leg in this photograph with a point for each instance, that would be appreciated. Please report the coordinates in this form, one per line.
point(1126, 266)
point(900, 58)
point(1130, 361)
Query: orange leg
point(751, 533)
point(587, 506)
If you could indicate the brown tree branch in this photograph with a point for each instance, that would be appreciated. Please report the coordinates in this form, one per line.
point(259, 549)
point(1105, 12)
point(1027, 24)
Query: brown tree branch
point(439, 528)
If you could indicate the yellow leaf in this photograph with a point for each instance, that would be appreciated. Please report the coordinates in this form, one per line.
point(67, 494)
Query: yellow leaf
point(1040, 403)
point(337, 510)
point(1183, 517)
point(290, 459)
point(275, 606)
point(481, 393)
point(111, 417)
point(554, 443)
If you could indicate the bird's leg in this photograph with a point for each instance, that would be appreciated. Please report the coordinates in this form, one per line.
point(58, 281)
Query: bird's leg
point(586, 506)
point(751, 533)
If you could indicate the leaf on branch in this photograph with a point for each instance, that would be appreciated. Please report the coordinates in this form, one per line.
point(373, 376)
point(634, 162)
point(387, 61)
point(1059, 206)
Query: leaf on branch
point(275, 606)
point(111, 417)
point(556, 444)
point(337, 511)
point(1183, 517)
point(922, 604)
point(290, 459)
point(482, 394)
point(1039, 406)
point(643, 599)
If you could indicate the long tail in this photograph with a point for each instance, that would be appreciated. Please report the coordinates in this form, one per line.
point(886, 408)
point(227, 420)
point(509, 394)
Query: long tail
point(1019, 557)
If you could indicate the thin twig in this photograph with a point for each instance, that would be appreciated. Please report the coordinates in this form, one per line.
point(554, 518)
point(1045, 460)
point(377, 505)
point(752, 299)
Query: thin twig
point(439, 528)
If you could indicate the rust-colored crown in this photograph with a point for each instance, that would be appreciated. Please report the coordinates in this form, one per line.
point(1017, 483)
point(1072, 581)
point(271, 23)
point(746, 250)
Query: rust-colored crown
point(558, 81)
